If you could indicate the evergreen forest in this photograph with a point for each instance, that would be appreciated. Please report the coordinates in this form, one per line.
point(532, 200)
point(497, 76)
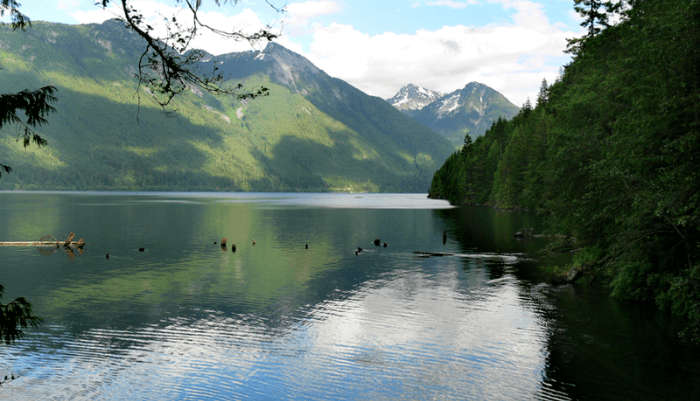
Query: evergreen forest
point(609, 155)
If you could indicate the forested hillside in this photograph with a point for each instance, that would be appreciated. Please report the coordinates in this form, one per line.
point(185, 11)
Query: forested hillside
point(313, 133)
point(610, 155)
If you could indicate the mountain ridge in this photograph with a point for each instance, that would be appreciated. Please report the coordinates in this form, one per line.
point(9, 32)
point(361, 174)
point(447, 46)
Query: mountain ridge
point(469, 110)
point(413, 97)
point(313, 133)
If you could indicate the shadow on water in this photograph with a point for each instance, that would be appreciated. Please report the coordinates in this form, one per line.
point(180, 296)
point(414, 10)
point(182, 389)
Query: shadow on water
point(598, 348)
point(626, 351)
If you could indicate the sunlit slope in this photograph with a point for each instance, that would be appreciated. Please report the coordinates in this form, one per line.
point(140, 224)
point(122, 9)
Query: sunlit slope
point(313, 133)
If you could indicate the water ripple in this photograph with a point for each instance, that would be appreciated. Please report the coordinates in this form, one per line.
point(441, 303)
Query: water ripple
point(397, 335)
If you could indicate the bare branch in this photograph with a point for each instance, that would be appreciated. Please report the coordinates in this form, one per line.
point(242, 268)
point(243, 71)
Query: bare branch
point(168, 67)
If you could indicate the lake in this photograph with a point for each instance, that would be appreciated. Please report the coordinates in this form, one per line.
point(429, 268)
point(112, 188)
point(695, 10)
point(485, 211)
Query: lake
point(186, 319)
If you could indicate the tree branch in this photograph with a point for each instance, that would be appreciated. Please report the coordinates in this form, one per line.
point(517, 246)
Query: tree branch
point(166, 66)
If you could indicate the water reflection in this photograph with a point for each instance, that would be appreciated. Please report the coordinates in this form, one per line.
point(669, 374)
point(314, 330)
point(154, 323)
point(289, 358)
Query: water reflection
point(599, 348)
point(409, 332)
point(277, 320)
point(596, 347)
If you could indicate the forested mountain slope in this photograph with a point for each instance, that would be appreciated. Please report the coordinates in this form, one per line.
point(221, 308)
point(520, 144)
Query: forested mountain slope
point(611, 156)
point(313, 133)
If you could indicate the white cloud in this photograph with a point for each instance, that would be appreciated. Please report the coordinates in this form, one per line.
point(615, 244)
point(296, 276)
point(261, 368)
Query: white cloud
point(512, 58)
point(246, 21)
point(306, 10)
point(300, 16)
point(451, 3)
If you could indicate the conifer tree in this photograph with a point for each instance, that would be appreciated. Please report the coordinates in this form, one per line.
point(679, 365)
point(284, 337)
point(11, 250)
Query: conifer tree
point(543, 94)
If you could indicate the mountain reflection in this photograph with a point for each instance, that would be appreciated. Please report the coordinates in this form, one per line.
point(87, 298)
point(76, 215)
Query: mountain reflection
point(277, 319)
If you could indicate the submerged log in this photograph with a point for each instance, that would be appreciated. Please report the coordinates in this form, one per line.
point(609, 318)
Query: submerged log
point(428, 254)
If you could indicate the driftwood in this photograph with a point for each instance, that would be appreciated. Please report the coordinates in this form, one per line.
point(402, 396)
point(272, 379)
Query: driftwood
point(68, 242)
point(79, 244)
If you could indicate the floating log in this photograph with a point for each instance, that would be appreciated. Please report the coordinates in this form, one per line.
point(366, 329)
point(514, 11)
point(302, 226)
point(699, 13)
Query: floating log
point(57, 244)
point(44, 243)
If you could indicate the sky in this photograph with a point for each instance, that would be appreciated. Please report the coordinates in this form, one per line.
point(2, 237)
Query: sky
point(381, 45)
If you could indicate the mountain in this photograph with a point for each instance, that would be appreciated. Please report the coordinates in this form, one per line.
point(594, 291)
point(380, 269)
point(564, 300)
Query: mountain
point(412, 97)
point(313, 133)
point(469, 110)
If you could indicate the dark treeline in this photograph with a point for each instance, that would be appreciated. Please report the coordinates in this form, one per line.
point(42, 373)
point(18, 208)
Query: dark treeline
point(609, 155)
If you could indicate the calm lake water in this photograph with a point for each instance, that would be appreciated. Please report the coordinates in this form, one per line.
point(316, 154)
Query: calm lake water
point(188, 320)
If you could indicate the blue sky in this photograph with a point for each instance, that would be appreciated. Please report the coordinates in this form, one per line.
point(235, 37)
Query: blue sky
point(380, 45)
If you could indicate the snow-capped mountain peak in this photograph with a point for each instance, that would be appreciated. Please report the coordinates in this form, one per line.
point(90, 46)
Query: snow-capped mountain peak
point(471, 109)
point(413, 97)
